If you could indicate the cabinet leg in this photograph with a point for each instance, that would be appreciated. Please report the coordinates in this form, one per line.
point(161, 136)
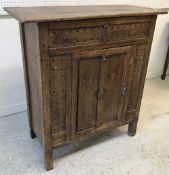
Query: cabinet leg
point(132, 128)
point(165, 66)
point(32, 134)
point(48, 156)
point(163, 76)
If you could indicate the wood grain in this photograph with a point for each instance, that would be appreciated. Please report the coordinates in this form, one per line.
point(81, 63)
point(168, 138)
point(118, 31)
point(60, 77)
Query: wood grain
point(87, 93)
point(110, 86)
point(26, 76)
point(61, 13)
point(34, 71)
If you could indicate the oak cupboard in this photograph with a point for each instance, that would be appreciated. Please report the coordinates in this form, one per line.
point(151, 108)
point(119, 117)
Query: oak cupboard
point(85, 69)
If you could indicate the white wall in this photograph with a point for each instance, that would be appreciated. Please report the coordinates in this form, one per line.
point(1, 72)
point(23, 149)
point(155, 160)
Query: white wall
point(12, 90)
point(159, 47)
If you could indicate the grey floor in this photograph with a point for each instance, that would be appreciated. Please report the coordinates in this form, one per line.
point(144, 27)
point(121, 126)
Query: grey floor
point(114, 153)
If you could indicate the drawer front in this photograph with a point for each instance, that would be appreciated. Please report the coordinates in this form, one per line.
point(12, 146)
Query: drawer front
point(88, 33)
point(75, 37)
point(131, 31)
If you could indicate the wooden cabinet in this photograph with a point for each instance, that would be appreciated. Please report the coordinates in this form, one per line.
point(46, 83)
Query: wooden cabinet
point(84, 72)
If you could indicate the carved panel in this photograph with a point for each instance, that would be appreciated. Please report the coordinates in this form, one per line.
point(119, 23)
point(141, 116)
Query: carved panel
point(75, 37)
point(136, 76)
point(127, 31)
point(60, 73)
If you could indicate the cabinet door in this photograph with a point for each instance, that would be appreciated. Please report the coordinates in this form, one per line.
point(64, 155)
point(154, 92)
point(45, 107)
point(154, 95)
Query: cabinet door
point(96, 88)
point(86, 75)
point(112, 82)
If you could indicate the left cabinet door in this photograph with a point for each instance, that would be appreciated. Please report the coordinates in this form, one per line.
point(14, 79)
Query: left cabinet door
point(60, 89)
point(85, 86)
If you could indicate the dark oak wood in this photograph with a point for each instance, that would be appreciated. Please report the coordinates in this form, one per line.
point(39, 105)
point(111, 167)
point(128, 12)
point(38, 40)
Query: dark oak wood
point(84, 72)
point(26, 75)
point(165, 66)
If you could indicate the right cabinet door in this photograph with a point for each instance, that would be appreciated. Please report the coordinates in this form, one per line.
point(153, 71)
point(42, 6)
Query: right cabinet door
point(119, 76)
point(113, 84)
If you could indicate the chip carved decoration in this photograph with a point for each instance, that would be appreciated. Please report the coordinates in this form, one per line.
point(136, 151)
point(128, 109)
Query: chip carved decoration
point(97, 34)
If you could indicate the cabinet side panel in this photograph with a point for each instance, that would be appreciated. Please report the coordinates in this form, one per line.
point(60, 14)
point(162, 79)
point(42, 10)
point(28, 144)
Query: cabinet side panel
point(34, 73)
point(26, 77)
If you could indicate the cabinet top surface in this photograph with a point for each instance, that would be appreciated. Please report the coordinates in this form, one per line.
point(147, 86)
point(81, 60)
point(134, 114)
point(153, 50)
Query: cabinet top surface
point(60, 13)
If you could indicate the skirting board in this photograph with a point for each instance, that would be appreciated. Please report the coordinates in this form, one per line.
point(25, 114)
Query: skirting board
point(12, 109)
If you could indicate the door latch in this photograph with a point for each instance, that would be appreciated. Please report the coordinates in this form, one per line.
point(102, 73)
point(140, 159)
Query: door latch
point(104, 57)
point(123, 89)
point(101, 92)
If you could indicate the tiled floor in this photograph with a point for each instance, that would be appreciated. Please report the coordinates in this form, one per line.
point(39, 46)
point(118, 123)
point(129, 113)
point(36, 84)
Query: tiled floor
point(114, 153)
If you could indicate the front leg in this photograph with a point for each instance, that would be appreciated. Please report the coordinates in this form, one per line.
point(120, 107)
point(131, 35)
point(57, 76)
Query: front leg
point(32, 133)
point(48, 158)
point(132, 128)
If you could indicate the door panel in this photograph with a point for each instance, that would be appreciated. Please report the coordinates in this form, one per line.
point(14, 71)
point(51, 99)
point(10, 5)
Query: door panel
point(110, 87)
point(85, 85)
point(88, 81)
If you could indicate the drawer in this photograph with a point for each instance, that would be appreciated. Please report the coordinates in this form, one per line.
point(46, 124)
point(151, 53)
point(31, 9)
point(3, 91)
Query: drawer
point(76, 36)
point(80, 35)
point(129, 31)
